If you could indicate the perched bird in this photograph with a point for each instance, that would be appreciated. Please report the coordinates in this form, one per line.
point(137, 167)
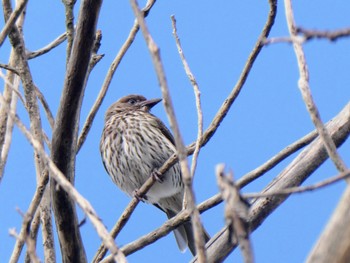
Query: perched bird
point(134, 144)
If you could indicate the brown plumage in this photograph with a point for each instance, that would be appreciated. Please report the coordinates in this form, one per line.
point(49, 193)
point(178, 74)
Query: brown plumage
point(133, 145)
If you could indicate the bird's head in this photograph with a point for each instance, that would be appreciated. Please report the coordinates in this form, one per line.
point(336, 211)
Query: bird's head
point(129, 103)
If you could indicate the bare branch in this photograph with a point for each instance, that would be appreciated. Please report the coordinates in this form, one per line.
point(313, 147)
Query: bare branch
point(30, 245)
point(9, 68)
point(47, 48)
point(236, 213)
point(334, 245)
point(332, 35)
point(69, 7)
point(64, 136)
point(267, 166)
point(6, 124)
point(10, 22)
point(308, 34)
point(153, 236)
point(197, 94)
point(180, 146)
point(306, 92)
point(301, 189)
point(46, 107)
point(33, 234)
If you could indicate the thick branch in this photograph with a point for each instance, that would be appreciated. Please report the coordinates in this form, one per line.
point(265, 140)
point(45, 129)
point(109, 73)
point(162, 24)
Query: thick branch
point(334, 243)
point(64, 137)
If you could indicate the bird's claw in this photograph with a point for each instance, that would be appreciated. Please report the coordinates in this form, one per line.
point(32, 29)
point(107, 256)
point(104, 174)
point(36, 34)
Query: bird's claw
point(137, 195)
point(157, 176)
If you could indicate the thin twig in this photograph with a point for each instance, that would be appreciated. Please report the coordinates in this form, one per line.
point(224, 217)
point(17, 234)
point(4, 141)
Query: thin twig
point(6, 124)
point(306, 92)
point(275, 160)
point(236, 212)
point(154, 235)
point(197, 94)
point(108, 79)
point(46, 107)
point(331, 35)
point(180, 146)
point(60, 39)
point(194, 83)
point(101, 252)
point(9, 68)
point(33, 234)
point(69, 8)
point(12, 20)
point(30, 245)
point(301, 189)
point(308, 34)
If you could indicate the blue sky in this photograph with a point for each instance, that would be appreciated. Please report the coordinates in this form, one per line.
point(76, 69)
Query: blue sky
point(268, 115)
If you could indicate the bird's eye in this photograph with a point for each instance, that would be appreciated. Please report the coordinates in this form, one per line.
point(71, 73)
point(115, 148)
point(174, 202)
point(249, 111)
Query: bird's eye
point(132, 101)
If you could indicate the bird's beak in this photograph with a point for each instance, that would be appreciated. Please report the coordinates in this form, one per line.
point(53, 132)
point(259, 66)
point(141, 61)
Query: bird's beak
point(150, 103)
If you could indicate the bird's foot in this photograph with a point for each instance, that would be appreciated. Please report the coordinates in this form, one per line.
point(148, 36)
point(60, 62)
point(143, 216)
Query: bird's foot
point(157, 176)
point(136, 194)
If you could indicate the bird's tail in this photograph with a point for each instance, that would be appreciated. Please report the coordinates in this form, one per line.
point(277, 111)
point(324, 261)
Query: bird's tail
point(184, 235)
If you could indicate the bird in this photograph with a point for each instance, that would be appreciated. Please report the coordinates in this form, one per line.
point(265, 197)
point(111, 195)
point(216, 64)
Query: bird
point(134, 144)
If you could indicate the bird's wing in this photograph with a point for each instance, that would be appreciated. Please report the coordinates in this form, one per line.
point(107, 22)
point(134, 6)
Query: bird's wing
point(165, 131)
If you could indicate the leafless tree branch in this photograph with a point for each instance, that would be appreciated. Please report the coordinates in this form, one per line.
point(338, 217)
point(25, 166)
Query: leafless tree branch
point(236, 213)
point(6, 124)
point(306, 92)
point(69, 7)
point(12, 20)
point(332, 35)
point(60, 39)
point(197, 96)
point(64, 136)
point(334, 245)
point(180, 146)
point(293, 175)
point(301, 189)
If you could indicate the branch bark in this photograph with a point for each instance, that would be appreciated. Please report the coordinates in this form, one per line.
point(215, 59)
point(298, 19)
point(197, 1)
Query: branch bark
point(334, 243)
point(64, 139)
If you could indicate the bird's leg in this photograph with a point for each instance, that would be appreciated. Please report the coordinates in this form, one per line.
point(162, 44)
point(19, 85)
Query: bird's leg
point(157, 176)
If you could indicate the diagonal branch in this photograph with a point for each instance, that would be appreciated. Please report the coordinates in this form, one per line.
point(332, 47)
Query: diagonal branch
point(293, 175)
point(12, 20)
